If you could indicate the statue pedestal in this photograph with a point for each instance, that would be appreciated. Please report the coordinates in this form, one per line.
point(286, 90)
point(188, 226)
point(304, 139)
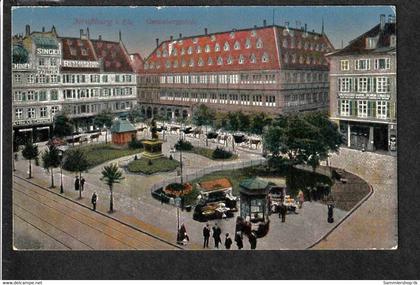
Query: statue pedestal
point(152, 149)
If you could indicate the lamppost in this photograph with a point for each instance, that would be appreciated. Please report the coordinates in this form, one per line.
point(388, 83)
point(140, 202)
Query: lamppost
point(61, 155)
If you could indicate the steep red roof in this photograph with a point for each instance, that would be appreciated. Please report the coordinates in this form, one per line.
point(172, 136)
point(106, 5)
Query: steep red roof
point(137, 62)
point(247, 50)
point(80, 50)
point(113, 55)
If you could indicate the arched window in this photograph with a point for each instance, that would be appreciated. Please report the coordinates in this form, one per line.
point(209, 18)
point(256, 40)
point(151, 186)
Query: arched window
point(241, 59)
point(207, 48)
point(190, 50)
point(232, 35)
point(182, 51)
point(175, 63)
point(219, 60)
point(200, 62)
point(253, 33)
point(248, 43)
point(209, 61)
point(226, 47)
point(165, 53)
point(168, 64)
point(198, 49)
point(191, 64)
point(183, 63)
point(217, 47)
point(237, 45)
point(259, 43)
point(174, 52)
point(213, 38)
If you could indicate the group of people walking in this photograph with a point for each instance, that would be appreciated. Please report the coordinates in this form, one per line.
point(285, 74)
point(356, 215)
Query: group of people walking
point(216, 233)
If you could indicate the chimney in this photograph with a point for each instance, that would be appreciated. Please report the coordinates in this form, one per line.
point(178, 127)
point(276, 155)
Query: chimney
point(306, 27)
point(255, 26)
point(81, 33)
point(157, 42)
point(265, 23)
point(171, 38)
point(53, 29)
point(382, 22)
point(205, 31)
point(100, 37)
point(43, 29)
point(27, 30)
point(87, 31)
point(180, 35)
point(286, 24)
point(119, 36)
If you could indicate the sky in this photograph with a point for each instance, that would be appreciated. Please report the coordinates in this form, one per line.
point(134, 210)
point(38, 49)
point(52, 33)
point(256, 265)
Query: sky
point(140, 26)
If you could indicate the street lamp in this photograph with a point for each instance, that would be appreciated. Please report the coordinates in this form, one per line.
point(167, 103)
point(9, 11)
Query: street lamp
point(61, 155)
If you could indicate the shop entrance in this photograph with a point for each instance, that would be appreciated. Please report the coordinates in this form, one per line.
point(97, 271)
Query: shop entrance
point(359, 137)
point(380, 137)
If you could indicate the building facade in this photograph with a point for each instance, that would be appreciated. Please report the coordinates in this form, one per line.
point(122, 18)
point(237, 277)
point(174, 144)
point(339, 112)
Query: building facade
point(270, 69)
point(363, 89)
point(76, 76)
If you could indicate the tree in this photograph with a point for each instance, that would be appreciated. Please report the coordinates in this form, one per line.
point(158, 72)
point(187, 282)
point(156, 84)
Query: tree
point(233, 123)
point(135, 115)
point(30, 152)
point(76, 162)
point(51, 160)
point(62, 126)
point(302, 139)
point(204, 116)
point(104, 118)
point(258, 122)
point(221, 121)
point(111, 175)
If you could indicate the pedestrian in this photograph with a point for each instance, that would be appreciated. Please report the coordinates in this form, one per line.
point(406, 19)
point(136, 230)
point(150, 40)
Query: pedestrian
point(77, 184)
point(228, 241)
point(216, 235)
point(238, 240)
point(301, 197)
point(253, 240)
point(330, 206)
point(282, 212)
point(82, 183)
point(183, 236)
point(94, 200)
point(206, 235)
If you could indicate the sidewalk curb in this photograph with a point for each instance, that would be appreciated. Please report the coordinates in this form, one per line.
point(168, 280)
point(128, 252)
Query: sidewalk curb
point(101, 213)
point(344, 218)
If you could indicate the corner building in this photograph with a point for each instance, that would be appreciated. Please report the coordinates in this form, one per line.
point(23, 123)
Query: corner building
point(269, 69)
point(363, 88)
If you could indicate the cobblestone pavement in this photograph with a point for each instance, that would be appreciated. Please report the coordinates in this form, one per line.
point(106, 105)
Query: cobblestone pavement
point(374, 224)
point(44, 220)
point(133, 198)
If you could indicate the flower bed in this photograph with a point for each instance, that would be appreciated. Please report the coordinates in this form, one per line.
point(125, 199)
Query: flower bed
point(178, 190)
point(147, 166)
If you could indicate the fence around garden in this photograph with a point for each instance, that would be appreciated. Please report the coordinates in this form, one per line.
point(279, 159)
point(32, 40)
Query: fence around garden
point(207, 170)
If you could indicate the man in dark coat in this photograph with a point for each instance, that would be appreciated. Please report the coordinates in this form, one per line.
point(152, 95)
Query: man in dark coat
point(216, 235)
point(82, 183)
point(77, 183)
point(206, 235)
point(282, 212)
point(228, 241)
point(238, 240)
point(253, 240)
point(330, 212)
point(94, 200)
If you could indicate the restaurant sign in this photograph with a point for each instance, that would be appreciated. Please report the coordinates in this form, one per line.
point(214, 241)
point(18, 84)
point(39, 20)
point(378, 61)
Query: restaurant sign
point(32, 122)
point(364, 96)
point(81, 63)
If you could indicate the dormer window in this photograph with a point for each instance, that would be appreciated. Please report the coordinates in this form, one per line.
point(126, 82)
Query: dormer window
point(299, 45)
point(198, 49)
point(209, 61)
point(73, 51)
point(371, 43)
point(157, 65)
point(168, 64)
point(200, 62)
point(248, 43)
point(191, 64)
point(241, 59)
point(226, 47)
point(207, 48)
point(175, 63)
point(253, 33)
point(253, 58)
point(294, 58)
point(232, 35)
point(285, 44)
point(392, 41)
point(158, 53)
point(182, 51)
point(217, 47)
point(84, 51)
point(286, 58)
point(229, 60)
point(190, 50)
point(259, 43)
point(308, 60)
point(174, 52)
point(219, 60)
point(237, 45)
point(183, 63)
point(301, 59)
point(195, 40)
point(213, 38)
point(264, 57)
point(165, 53)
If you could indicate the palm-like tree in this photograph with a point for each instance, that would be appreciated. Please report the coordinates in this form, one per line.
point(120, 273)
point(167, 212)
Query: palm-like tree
point(30, 152)
point(51, 160)
point(111, 175)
